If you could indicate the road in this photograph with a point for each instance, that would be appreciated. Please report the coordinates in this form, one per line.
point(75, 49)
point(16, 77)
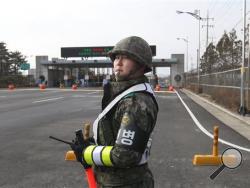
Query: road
point(29, 158)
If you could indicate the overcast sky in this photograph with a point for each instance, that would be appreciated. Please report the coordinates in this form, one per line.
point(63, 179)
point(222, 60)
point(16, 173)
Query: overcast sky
point(42, 27)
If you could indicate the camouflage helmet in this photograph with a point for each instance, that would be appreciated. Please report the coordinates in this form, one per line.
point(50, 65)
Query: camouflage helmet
point(135, 48)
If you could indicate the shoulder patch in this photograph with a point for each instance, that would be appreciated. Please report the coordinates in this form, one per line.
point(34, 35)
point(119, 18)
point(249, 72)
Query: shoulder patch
point(125, 119)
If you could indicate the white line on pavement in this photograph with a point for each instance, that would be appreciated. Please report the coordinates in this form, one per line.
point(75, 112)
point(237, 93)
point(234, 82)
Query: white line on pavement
point(79, 96)
point(45, 100)
point(3, 96)
point(93, 92)
point(205, 131)
point(84, 95)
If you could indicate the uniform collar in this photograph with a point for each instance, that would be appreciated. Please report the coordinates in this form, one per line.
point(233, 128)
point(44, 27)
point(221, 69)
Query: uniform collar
point(120, 86)
point(112, 89)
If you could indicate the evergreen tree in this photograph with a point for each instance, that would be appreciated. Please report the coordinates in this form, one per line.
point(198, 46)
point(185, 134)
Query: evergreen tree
point(236, 50)
point(226, 55)
point(209, 59)
point(10, 62)
point(229, 51)
point(224, 49)
point(4, 58)
point(16, 59)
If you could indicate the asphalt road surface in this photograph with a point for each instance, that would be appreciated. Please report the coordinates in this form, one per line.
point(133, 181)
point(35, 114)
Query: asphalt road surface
point(28, 158)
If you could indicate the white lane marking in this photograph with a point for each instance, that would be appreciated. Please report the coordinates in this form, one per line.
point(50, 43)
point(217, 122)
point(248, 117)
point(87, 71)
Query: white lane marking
point(164, 91)
point(79, 96)
point(45, 100)
point(52, 91)
point(83, 96)
point(3, 96)
point(205, 131)
point(93, 92)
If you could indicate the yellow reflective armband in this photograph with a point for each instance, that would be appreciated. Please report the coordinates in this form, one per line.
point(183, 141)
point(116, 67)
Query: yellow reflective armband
point(106, 156)
point(88, 154)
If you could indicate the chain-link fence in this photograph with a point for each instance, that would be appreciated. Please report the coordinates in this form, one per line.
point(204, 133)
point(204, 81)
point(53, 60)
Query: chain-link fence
point(222, 87)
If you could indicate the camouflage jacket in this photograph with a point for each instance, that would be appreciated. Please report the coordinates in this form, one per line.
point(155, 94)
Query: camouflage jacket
point(138, 110)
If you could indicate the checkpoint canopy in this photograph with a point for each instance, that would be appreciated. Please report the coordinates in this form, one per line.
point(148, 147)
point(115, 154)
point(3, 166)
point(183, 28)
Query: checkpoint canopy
point(101, 51)
point(58, 67)
point(103, 63)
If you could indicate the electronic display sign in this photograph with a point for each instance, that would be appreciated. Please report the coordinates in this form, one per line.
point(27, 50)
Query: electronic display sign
point(100, 51)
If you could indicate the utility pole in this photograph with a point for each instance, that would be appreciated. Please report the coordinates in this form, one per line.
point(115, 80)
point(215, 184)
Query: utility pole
point(248, 66)
point(199, 53)
point(207, 26)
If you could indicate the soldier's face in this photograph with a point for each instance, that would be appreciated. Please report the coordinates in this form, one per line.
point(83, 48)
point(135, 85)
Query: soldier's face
point(124, 67)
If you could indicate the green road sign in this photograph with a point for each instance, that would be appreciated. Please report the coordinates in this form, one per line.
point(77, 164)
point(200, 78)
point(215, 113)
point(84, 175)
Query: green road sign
point(25, 66)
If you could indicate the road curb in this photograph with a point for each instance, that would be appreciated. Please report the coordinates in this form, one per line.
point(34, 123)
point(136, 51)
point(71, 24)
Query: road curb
point(233, 120)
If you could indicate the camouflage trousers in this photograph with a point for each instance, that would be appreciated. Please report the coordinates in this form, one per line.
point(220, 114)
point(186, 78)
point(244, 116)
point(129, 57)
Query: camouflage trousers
point(146, 182)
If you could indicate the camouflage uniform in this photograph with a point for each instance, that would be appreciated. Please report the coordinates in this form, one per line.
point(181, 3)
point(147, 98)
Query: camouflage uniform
point(122, 131)
point(139, 109)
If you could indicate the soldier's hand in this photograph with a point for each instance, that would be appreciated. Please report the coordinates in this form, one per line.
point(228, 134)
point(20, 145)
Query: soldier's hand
point(78, 150)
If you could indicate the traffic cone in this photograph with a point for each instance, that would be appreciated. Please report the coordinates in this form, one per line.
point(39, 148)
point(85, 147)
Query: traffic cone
point(42, 87)
point(11, 86)
point(74, 87)
point(215, 158)
point(170, 88)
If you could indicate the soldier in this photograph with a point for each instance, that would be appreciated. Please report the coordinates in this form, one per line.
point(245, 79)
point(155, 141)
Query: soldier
point(122, 131)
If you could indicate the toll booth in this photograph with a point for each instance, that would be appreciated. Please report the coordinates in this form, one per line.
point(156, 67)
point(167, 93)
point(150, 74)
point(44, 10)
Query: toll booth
point(56, 71)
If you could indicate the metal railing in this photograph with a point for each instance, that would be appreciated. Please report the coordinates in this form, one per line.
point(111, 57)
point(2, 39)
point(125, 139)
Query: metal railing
point(223, 87)
point(228, 79)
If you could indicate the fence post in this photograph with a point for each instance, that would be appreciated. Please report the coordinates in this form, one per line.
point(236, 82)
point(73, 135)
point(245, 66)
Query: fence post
point(248, 67)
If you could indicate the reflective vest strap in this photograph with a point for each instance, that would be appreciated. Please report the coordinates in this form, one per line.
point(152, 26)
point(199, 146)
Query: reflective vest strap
point(139, 87)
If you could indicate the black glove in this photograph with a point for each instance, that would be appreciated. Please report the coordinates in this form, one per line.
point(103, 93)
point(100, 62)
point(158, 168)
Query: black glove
point(79, 144)
point(78, 150)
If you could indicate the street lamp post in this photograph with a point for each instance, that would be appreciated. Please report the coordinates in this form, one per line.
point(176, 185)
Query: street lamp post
point(196, 15)
point(185, 40)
